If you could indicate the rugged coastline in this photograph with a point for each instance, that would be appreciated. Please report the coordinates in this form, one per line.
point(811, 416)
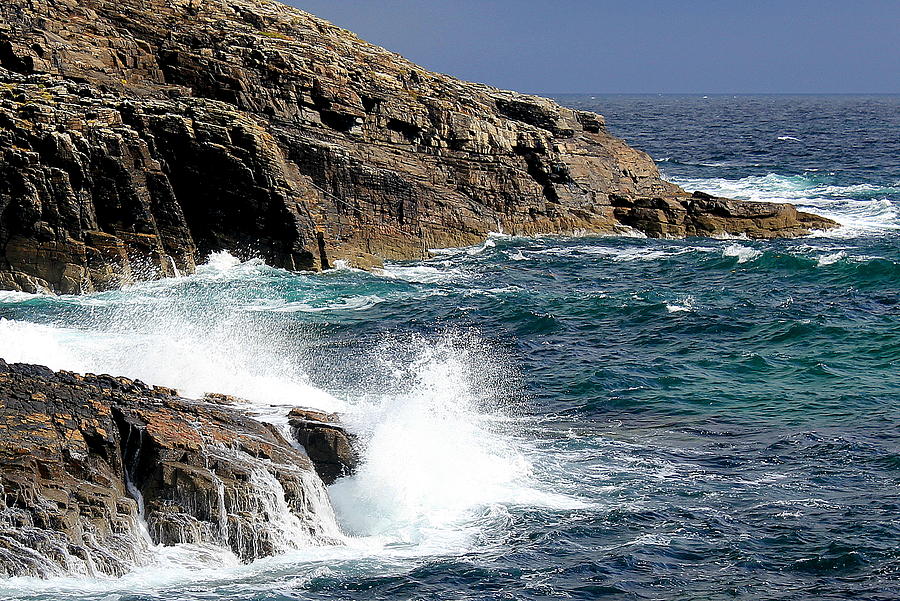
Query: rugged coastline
point(139, 136)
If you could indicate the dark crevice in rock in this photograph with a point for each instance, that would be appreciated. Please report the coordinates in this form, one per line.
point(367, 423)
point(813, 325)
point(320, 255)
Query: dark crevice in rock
point(409, 131)
point(323, 255)
point(12, 61)
point(371, 104)
point(342, 122)
point(539, 173)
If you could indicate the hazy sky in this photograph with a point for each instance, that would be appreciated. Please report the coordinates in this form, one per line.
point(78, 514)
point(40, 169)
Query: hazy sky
point(646, 46)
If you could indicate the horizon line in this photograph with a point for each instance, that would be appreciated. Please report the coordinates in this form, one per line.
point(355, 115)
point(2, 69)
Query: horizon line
point(545, 93)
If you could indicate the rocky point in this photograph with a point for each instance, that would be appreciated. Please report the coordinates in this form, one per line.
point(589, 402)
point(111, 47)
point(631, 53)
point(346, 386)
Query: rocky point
point(139, 136)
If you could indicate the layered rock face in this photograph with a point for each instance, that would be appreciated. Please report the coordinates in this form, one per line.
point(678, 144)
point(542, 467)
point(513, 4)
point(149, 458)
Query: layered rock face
point(137, 136)
point(95, 469)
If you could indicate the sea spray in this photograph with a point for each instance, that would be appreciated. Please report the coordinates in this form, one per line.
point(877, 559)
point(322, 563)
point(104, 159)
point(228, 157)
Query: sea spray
point(434, 415)
point(433, 434)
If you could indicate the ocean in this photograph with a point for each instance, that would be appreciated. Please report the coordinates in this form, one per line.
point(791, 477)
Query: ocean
point(557, 417)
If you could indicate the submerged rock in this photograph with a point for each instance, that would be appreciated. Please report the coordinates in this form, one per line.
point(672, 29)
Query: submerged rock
point(329, 446)
point(138, 136)
point(95, 469)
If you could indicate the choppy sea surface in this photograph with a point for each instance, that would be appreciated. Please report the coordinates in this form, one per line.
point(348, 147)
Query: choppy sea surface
point(572, 418)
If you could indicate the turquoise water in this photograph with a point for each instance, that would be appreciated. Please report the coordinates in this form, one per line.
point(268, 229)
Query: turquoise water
point(566, 417)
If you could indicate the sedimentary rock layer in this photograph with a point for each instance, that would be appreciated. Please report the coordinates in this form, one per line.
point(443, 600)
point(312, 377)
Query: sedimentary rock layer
point(137, 136)
point(95, 469)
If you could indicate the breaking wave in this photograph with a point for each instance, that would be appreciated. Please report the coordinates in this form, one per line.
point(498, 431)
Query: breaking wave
point(437, 416)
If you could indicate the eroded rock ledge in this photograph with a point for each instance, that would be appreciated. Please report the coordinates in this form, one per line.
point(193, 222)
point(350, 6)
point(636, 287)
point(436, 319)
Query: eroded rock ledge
point(138, 136)
point(80, 455)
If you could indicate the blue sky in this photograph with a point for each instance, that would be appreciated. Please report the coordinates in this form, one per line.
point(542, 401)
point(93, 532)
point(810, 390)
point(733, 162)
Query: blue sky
point(640, 46)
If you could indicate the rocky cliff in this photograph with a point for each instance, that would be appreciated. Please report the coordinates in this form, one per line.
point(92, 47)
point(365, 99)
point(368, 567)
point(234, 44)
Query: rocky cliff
point(137, 136)
point(95, 470)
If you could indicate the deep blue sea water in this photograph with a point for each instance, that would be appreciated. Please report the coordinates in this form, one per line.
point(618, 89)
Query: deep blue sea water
point(574, 418)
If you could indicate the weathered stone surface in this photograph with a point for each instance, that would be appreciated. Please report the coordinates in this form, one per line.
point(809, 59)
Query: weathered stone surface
point(80, 455)
point(329, 446)
point(137, 136)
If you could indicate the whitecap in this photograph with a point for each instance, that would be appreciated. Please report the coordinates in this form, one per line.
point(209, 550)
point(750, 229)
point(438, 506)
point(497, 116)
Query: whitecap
point(686, 305)
point(832, 258)
point(353, 303)
point(489, 243)
point(341, 265)
point(422, 274)
point(743, 254)
point(14, 296)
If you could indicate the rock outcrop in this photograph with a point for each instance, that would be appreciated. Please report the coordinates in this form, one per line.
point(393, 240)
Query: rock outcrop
point(329, 446)
point(137, 136)
point(95, 469)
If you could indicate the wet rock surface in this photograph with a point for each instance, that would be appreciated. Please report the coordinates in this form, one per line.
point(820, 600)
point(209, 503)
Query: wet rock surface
point(332, 450)
point(137, 136)
point(95, 469)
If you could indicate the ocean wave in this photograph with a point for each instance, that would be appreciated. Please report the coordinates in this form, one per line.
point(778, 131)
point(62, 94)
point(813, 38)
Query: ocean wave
point(14, 296)
point(711, 164)
point(742, 253)
point(688, 304)
point(623, 254)
point(353, 303)
point(424, 274)
point(831, 258)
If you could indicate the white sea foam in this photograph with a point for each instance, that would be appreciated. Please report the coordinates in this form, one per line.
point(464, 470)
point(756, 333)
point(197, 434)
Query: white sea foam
point(475, 250)
point(624, 255)
point(13, 296)
point(831, 258)
point(350, 303)
point(436, 453)
point(424, 274)
point(220, 262)
point(685, 305)
point(744, 254)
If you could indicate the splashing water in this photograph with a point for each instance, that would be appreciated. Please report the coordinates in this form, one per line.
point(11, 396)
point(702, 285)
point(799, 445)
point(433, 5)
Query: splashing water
point(438, 438)
point(438, 449)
